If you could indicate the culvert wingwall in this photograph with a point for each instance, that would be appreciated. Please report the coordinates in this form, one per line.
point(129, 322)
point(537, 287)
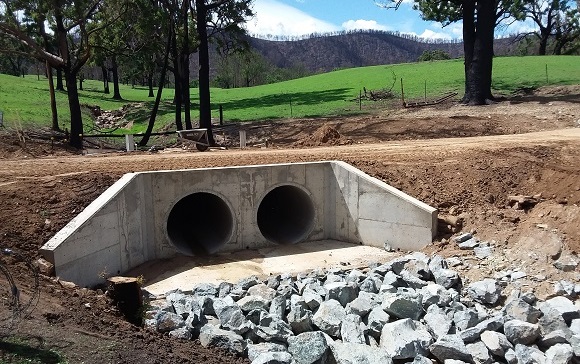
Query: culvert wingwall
point(156, 215)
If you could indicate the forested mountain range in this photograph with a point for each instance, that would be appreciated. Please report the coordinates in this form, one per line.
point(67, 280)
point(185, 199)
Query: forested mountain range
point(358, 49)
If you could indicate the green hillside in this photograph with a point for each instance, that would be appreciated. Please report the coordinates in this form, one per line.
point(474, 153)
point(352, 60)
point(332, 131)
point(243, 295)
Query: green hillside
point(25, 101)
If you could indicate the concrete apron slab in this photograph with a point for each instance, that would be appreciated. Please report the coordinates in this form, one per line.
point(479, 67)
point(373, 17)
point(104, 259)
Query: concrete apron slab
point(166, 214)
point(162, 276)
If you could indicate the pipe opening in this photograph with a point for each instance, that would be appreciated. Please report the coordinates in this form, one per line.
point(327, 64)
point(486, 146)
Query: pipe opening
point(200, 224)
point(286, 215)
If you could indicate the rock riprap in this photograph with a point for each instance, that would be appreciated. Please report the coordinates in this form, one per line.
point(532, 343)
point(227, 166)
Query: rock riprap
point(412, 309)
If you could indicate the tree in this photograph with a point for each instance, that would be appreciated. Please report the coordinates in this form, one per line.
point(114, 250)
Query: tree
point(73, 26)
point(555, 19)
point(479, 21)
point(213, 18)
point(434, 55)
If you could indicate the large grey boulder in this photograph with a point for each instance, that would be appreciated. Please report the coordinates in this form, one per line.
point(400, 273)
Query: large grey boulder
point(278, 306)
point(479, 352)
point(273, 358)
point(254, 350)
point(309, 348)
point(435, 294)
point(565, 307)
point(168, 321)
point(211, 336)
point(437, 322)
point(350, 353)
point(465, 319)
point(403, 305)
point(446, 277)
point(182, 333)
point(312, 298)
point(450, 347)
point(375, 321)
point(341, 291)
point(496, 342)
point(363, 304)
point(521, 310)
point(247, 282)
point(205, 289)
point(232, 318)
point(351, 331)
point(529, 355)
point(486, 291)
point(263, 291)
point(473, 333)
point(412, 281)
point(300, 320)
point(371, 284)
point(329, 317)
point(521, 332)
point(559, 354)
point(272, 328)
point(405, 339)
point(250, 303)
point(575, 326)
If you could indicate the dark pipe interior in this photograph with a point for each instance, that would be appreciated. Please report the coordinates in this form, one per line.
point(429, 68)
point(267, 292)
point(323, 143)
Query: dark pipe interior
point(200, 224)
point(286, 215)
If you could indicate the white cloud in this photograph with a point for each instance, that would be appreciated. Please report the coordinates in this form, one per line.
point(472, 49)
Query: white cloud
point(429, 34)
point(363, 24)
point(276, 18)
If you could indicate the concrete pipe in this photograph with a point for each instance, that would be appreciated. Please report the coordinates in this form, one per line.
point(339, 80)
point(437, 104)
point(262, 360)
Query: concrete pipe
point(200, 224)
point(286, 215)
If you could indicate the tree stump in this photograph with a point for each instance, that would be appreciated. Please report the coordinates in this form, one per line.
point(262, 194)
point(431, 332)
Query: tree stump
point(126, 294)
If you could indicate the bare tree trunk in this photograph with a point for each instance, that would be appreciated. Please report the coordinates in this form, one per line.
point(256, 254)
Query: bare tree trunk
point(151, 123)
point(76, 121)
point(53, 108)
point(105, 72)
point(115, 71)
point(204, 92)
point(150, 84)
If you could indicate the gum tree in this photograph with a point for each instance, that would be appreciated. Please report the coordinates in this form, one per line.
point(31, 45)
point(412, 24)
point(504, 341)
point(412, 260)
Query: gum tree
point(480, 18)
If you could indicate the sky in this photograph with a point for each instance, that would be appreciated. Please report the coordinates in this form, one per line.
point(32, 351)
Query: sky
point(302, 17)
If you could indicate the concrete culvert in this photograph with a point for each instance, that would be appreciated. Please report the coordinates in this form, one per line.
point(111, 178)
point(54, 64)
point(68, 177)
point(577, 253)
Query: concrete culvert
point(286, 215)
point(200, 223)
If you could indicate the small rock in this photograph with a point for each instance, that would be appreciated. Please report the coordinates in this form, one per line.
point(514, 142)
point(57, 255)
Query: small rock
point(329, 316)
point(529, 355)
point(403, 305)
point(496, 342)
point(254, 350)
point(463, 237)
point(273, 358)
point(566, 263)
point(450, 347)
point(559, 354)
point(211, 336)
point(45, 267)
point(521, 332)
point(486, 291)
point(376, 319)
point(405, 339)
point(469, 244)
point(349, 353)
point(309, 347)
point(483, 252)
point(565, 307)
point(351, 330)
point(479, 352)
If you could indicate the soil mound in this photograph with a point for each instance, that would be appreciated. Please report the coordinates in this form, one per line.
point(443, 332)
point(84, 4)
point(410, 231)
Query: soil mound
point(325, 135)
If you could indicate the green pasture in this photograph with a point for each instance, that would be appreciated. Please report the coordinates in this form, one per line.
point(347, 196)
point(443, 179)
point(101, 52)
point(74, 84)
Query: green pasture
point(25, 101)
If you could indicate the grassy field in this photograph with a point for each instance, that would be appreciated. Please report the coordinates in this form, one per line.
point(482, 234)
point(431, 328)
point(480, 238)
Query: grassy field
point(25, 101)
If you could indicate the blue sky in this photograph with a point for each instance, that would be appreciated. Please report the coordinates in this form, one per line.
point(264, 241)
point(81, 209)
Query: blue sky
point(301, 17)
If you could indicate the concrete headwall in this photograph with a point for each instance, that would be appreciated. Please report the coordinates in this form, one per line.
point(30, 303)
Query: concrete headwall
point(153, 215)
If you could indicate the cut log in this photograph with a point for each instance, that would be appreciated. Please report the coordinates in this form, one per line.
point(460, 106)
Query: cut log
point(126, 294)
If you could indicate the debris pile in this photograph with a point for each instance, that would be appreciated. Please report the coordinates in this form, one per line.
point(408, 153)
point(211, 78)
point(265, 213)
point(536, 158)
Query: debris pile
point(412, 308)
point(325, 135)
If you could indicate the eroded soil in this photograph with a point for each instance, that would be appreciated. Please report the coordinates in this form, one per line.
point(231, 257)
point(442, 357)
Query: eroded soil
point(465, 161)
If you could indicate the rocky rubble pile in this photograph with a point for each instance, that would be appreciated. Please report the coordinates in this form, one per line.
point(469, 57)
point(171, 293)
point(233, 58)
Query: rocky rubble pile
point(412, 309)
